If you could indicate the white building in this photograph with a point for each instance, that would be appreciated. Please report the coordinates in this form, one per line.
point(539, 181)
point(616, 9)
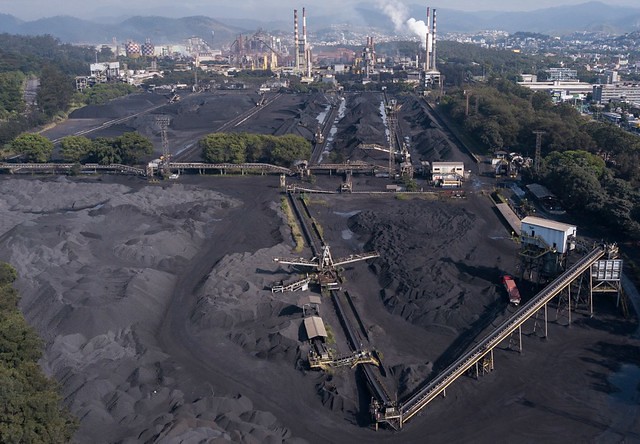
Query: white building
point(618, 92)
point(104, 72)
point(546, 233)
point(561, 74)
point(447, 174)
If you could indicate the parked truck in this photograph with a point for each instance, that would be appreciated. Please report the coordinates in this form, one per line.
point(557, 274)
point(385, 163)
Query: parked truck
point(512, 289)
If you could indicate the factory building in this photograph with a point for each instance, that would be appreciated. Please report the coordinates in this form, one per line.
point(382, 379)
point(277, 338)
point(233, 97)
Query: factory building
point(104, 72)
point(447, 174)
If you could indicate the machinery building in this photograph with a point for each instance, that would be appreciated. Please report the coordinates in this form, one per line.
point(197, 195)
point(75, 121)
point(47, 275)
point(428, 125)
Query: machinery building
point(548, 234)
point(104, 72)
point(617, 92)
point(447, 174)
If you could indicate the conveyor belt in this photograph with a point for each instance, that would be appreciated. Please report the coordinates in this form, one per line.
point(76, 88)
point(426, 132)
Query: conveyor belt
point(425, 395)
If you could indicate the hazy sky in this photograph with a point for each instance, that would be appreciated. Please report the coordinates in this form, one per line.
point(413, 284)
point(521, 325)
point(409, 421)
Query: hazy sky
point(259, 9)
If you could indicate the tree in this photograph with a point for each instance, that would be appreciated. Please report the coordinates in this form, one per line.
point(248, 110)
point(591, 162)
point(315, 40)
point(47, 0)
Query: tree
point(30, 402)
point(34, 147)
point(223, 148)
point(132, 146)
point(104, 152)
point(75, 148)
point(55, 91)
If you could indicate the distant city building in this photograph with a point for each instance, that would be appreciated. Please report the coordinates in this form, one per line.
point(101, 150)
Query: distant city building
point(561, 74)
point(561, 91)
point(611, 76)
point(619, 92)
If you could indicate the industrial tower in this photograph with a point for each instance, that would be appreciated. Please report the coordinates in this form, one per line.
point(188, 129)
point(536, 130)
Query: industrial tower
point(302, 50)
point(431, 73)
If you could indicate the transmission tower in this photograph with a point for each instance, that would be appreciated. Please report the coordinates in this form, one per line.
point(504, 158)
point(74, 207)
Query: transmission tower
point(163, 122)
point(538, 154)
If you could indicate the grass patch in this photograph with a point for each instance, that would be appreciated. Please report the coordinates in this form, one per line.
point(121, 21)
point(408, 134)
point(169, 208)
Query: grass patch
point(293, 225)
point(331, 338)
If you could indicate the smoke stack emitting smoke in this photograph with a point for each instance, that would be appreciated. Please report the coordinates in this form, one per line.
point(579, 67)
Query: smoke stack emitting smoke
point(399, 15)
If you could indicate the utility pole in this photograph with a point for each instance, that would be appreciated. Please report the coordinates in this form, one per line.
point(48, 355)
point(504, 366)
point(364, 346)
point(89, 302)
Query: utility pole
point(538, 154)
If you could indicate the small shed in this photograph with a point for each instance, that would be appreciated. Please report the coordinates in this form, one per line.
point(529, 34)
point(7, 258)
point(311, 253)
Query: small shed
point(553, 234)
point(315, 327)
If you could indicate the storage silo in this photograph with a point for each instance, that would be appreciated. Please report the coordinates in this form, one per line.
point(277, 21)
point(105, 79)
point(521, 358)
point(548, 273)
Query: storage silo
point(132, 49)
point(148, 49)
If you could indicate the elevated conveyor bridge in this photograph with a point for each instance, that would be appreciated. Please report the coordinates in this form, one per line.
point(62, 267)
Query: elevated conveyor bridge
point(428, 393)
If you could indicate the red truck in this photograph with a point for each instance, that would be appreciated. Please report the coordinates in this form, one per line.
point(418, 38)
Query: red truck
point(512, 290)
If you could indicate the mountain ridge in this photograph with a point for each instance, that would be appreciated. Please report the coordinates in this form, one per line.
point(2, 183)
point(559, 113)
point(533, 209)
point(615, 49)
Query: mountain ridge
point(557, 20)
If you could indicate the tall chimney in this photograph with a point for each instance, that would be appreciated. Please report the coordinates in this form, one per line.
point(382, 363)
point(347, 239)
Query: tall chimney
point(304, 28)
point(307, 51)
point(296, 42)
point(433, 47)
point(427, 44)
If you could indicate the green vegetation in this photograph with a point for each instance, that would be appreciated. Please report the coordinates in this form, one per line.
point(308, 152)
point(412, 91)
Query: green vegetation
point(127, 149)
point(55, 64)
point(593, 167)
point(103, 92)
point(293, 225)
point(11, 101)
point(55, 91)
point(30, 402)
point(75, 148)
point(34, 147)
point(244, 147)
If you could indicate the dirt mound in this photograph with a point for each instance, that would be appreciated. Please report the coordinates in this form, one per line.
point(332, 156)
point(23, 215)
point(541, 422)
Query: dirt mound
point(427, 289)
point(97, 264)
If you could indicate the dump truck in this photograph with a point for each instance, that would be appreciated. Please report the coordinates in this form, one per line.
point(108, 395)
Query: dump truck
point(512, 289)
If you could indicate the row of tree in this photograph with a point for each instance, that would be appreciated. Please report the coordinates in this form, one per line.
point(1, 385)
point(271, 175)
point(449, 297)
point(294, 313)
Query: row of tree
point(244, 147)
point(31, 405)
point(127, 149)
point(594, 167)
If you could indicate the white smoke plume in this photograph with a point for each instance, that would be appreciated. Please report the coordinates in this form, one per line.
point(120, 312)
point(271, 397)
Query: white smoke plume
point(399, 15)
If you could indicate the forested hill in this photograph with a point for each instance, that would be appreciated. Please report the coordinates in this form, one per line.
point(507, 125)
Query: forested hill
point(594, 167)
point(43, 57)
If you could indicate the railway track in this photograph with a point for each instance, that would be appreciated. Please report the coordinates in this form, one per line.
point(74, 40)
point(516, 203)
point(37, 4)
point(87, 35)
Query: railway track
point(192, 149)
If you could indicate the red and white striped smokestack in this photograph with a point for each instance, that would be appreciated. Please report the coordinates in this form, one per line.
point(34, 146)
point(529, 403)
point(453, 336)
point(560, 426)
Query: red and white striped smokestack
point(296, 40)
point(427, 44)
point(433, 45)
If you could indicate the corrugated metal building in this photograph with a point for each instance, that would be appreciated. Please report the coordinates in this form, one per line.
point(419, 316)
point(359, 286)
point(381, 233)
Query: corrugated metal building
point(315, 327)
point(554, 234)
